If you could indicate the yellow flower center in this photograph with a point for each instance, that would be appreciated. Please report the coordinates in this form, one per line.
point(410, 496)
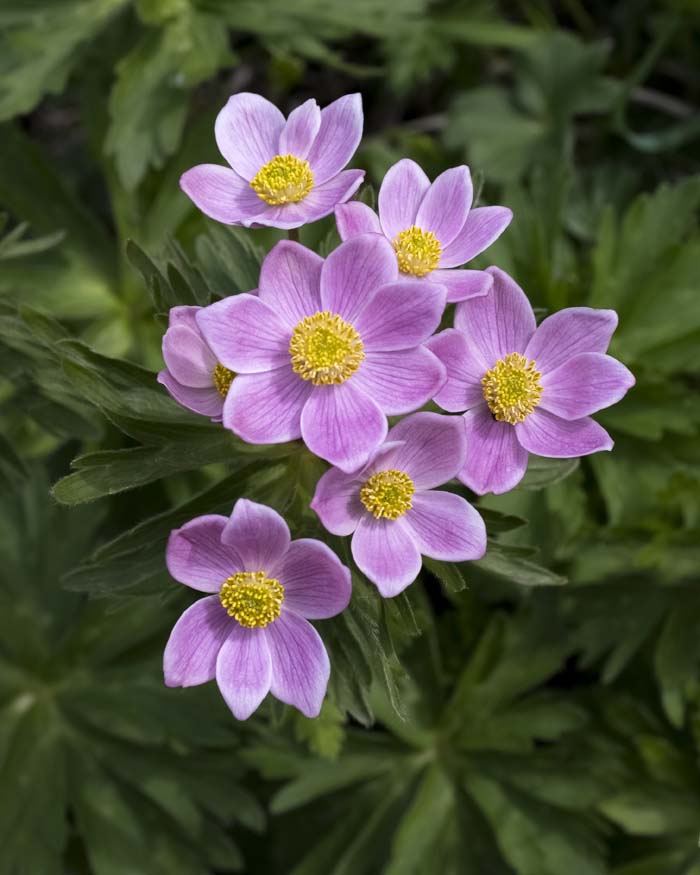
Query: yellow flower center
point(512, 388)
point(252, 599)
point(222, 379)
point(417, 251)
point(283, 180)
point(325, 349)
point(388, 494)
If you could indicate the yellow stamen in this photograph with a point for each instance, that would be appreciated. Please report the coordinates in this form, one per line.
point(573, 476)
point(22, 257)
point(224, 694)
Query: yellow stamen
point(325, 349)
point(417, 251)
point(283, 180)
point(222, 379)
point(252, 599)
point(511, 388)
point(388, 494)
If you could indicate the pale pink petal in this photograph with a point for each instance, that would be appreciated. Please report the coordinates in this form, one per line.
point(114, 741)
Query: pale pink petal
point(433, 450)
point(545, 434)
point(400, 315)
point(207, 402)
point(188, 358)
point(354, 219)
point(194, 644)
point(300, 131)
point(247, 132)
point(385, 551)
point(258, 534)
point(300, 664)
point(266, 408)
point(400, 381)
point(220, 193)
point(197, 557)
point(445, 526)
point(316, 583)
point(400, 194)
point(584, 384)
point(244, 670)
point(320, 202)
point(569, 332)
point(446, 204)
point(498, 323)
point(338, 137)
point(462, 284)
point(342, 425)
point(183, 315)
point(484, 225)
point(337, 501)
point(462, 389)
point(290, 279)
point(496, 461)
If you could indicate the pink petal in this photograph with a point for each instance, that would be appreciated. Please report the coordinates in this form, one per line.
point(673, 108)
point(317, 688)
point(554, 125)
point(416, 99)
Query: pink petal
point(433, 450)
point(244, 670)
point(220, 193)
point(498, 323)
point(356, 218)
point(338, 137)
point(300, 664)
point(188, 358)
point(320, 202)
point(183, 315)
point(569, 332)
point(446, 526)
point(196, 556)
point(400, 381)
point(207, 402)
point(316, 583)
point(496, 461)
point(586, 383)
point(290, 279)
point(300, 131)
point(462, 389)
point(354, 271)
point(266, 408)
point(463, 284)
point(337, 501)
point(483, 226)
point(446, 204)
point(545, 434)
point(245, 334)
point(342, 425)
point(386, 553)
point(400, 315)
point(194, 644)
point(247, 133)
point(401, 192)
point(257, 534)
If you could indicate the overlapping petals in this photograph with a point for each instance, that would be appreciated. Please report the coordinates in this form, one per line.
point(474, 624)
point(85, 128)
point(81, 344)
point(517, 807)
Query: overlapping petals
point(250, 133)
point(190, 365)
point(430, 449)
point(442, 209)
point(285, 656)
point(574, 375)
point(342, 422)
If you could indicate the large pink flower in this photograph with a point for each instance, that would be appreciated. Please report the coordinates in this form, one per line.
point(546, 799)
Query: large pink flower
point(391, 506)
point(252, 633)
point(526, 389)
point(327, 349)
point(431, 226)
point(283, 173)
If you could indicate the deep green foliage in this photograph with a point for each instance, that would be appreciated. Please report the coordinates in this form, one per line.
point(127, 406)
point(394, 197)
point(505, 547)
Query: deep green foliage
point(535, 713)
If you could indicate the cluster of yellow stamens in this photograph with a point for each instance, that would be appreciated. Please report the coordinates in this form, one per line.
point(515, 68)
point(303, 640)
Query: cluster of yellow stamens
point(512, 388)
point(252, 598)
point(388, 494)
point(417, 251)
point(222, 379)
point(325, 349)
point(285, 179)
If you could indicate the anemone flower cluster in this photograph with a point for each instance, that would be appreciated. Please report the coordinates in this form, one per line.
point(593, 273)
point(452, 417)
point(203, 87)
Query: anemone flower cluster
point(323, 351)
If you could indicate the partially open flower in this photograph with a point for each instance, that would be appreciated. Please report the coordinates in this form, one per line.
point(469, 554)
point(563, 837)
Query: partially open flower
point(285, 173)
point(193, 375)
point(526, 388)
point(431, 226)
point(391, 506)
point(327, 349)
point(252, 633)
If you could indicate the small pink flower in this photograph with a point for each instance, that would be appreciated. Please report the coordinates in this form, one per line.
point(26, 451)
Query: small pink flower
point(192, 374)
point(431, 226)
point(252, 634)
point(392, 508)
point(526, 389)
point(284, 173)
